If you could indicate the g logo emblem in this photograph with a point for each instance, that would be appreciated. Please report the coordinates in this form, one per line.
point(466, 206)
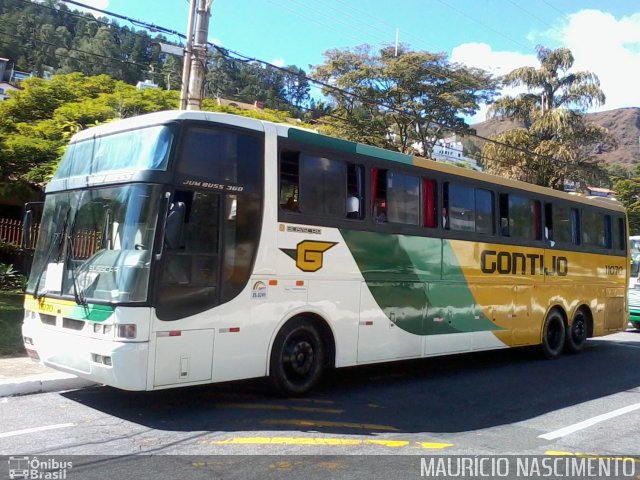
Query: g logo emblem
point(309, 254)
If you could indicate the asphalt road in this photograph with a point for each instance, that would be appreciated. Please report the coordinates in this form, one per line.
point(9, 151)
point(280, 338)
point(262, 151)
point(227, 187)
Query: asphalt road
point(365, 422)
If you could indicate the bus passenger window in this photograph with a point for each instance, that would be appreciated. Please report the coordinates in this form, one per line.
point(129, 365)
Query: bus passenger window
point(289, 180)
point(379, 195)
point(467, 209)
point(560, 224)
point(595, 229)
point(485, 215)
point(429, 196)
point(520, 217)
point(355, 191)
point(403, 198)
point(618, 232)
point(323, 186)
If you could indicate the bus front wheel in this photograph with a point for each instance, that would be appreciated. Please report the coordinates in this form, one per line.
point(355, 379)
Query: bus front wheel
point(553, 335)
point(576, 334)
point(297, 358)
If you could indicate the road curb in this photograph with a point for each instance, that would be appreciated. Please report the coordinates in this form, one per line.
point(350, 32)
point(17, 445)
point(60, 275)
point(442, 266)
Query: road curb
point(49, 382)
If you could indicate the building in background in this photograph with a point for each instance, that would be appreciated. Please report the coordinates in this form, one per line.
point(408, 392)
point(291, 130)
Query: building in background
point(451, 150)
point(9, 78)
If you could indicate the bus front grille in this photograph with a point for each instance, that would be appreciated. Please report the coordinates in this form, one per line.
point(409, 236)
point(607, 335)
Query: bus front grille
point(72, 324)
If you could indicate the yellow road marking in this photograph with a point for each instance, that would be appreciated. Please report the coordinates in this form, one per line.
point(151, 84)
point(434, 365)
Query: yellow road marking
point(287, 466)
point(307, 441)
point(434, 445)
point(322, 423)
point(333, 466)
point(324, 441)
point(262, 406)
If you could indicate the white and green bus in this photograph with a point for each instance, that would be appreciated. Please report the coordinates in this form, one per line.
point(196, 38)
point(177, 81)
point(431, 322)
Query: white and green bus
point(183, 248)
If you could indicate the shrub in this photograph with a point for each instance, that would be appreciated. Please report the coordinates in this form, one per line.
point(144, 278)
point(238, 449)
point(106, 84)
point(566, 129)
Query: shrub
point(10, 278)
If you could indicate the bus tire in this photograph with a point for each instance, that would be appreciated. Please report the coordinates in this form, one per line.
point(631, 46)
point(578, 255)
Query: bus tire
point(297, 358)
point(635, 324)
point(553, 335)
point(577, 332)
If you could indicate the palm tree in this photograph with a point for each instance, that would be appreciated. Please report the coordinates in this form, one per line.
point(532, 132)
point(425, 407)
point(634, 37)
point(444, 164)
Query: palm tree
point(554, 143)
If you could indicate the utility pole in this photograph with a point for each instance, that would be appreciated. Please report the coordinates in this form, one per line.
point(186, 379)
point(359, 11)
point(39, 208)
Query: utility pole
point(195, 55)
point(186, 60)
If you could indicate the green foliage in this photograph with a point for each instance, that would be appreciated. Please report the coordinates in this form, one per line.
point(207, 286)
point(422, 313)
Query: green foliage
point(553, 125)
point(423, 95)
point(40, 120)
point(10, 278)
point(248, 82)
point(11, 315)
point(7, 248)
point(628, 193)
point(96, 63)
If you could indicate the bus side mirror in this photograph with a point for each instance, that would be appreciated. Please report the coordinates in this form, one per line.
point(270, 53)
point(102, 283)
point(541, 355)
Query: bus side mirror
point(27, 223)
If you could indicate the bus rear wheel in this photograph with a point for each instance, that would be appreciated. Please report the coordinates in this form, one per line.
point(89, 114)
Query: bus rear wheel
point(576, 334)
point(553, 335)
point(297, 358)
point(635, 324)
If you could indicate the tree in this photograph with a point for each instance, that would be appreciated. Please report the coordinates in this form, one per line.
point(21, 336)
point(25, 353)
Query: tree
point(628, 193)
point(400, 100)
point(38, 121)
point(555, 143)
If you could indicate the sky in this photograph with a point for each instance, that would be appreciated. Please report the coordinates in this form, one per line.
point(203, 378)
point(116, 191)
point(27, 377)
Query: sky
point(496, 35)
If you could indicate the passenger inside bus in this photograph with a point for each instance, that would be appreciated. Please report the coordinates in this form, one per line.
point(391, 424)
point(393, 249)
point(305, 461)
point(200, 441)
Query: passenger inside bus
point(381, 212)
point(353, 207)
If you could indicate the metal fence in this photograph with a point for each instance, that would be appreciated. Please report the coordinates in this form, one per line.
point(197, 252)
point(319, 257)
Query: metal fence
point(11, 232)
point(85, 242)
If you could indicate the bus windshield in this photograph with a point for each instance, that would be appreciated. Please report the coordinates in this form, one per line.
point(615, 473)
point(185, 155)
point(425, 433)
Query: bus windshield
point(634, 250)
point(96, 244)
point(140, 149)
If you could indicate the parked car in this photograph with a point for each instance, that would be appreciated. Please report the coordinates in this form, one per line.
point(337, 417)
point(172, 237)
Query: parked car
point(634, 307)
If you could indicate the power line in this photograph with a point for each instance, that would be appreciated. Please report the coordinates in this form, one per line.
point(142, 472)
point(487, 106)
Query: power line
point(317, 19)
point(244, 58)
point(154, 27)
point(400, 111)
point(532, 15)
point(60, 55)
point(75, 50)
point(488, 27)
point(552, 6)
point(133, 21)
point(70, 13)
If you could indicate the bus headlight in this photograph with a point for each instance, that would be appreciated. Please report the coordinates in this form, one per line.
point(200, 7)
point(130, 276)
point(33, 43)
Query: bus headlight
point(127, 331)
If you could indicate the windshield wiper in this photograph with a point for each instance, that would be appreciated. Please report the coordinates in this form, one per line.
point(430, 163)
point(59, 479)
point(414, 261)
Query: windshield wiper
point(78, 292)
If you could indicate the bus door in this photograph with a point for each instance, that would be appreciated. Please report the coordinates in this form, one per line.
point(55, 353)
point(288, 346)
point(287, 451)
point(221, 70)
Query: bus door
point(188, 286)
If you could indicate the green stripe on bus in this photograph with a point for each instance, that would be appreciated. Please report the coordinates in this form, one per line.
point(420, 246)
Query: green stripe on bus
point(385, 154)
point(94, 313)
point(346, 146)
point(404, 275)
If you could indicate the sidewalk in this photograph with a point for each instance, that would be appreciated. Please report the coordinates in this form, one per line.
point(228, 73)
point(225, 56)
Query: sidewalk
point(22, 376)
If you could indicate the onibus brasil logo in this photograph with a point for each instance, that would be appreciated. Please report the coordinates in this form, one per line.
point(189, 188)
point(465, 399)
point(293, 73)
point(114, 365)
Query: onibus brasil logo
point(38, 469)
